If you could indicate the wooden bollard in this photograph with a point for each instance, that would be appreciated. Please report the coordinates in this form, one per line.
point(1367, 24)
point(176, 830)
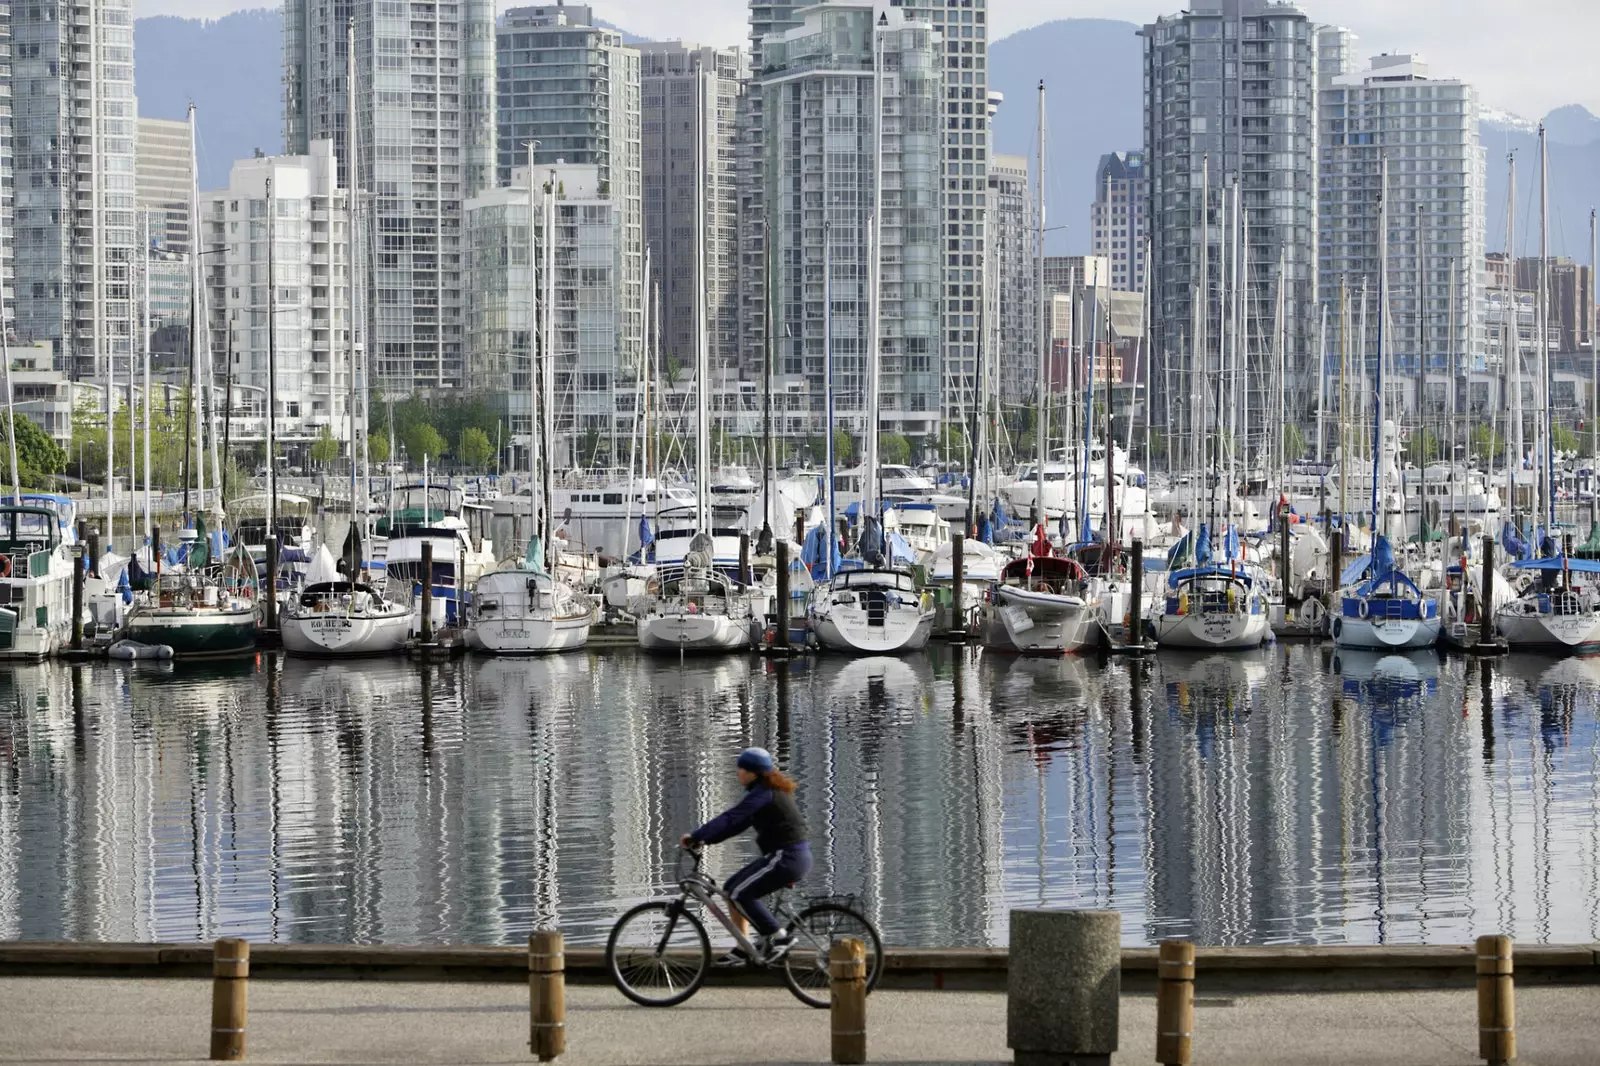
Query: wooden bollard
point(1175, 1003)
point(1497, 1013)
point(780, 628)
point(230, 982)
point(958, 577)
point(1486, 595)
point(77, 599)
point(847, 968)
point(547, 995)
point(426, 628)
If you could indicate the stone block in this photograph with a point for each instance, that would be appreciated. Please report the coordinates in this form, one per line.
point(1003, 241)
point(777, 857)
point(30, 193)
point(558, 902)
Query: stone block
point(1063, 987)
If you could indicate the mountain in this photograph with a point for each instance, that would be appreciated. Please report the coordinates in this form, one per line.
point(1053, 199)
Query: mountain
point(1093, 105)
point(230, 68)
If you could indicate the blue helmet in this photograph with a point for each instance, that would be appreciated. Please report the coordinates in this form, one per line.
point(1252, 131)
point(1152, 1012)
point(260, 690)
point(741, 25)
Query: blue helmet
point(756, 760)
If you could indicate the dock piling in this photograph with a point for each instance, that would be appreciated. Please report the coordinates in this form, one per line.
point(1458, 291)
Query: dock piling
point(230, 978)
point(1497, 1016)
point(847, 971)
point(958, 577)
point(94, 550)
point(780, 627)
point(1133, 625)
point(271, 591)
point(744, 559)
point(77, 599)
point(426, 628)
point(1175, 1003)
point(547, 995)
point(1486, 597)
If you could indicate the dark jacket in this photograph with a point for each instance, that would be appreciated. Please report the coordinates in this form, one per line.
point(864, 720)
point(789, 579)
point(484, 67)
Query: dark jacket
point(774, 814)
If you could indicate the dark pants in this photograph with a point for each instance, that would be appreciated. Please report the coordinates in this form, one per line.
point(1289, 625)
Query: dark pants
point(765, 876)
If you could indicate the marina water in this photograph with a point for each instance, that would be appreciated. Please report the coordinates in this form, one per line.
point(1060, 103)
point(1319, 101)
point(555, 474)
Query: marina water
point(1288, 796)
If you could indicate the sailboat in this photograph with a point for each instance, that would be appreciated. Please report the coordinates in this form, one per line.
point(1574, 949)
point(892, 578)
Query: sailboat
point(873, 607)
point(1557, 608)
point(693, 605)
point(203, 605)
point(1378, 606)
point(526, 610)
point(1215, 602)
point(1043, 604)
point(342, 614)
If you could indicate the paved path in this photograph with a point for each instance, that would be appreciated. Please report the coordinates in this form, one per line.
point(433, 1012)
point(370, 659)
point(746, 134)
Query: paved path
point(115, 1020)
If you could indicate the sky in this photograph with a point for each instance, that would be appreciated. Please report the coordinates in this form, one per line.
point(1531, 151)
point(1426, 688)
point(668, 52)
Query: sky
point(1527, 56)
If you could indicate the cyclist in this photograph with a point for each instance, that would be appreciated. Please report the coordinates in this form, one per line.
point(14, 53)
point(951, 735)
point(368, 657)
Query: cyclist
point(769, 807)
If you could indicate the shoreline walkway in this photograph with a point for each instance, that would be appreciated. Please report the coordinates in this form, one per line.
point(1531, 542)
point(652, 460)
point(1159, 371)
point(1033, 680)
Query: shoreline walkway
point(119, 1019)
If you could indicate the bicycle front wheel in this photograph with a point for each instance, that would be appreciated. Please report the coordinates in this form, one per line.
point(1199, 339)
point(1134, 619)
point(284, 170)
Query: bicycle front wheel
point(659, 954)
point(816, 930)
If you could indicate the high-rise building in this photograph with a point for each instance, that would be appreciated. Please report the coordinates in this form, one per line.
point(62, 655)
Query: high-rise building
point(163, 184)
point(1013, 280)
point(825, 143)
point(592, 416)
point(1569, 290)
point(1066, 274)
point(1117, 217)
point(964, 151)
point(571, 90)
point(75, 231)
point(276, 279)
point(750, 176)
point(425, 117)
point(1427, 130)
point(164, 181)
point(1230, 91)
point(690, 94)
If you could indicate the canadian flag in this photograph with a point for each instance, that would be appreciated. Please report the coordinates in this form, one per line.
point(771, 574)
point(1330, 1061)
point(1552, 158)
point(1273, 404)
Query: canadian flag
point(1028, 572)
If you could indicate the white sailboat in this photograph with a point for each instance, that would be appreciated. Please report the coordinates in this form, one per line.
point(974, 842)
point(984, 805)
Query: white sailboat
point(875, 608)
point(693, 606)
point(1043, 604)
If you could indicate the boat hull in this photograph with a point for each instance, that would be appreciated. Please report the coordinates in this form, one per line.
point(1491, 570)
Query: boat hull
point(335, 634)
point(1388, 634)
point(1041, 623)
point(191, 633)
point(701, 631)
point(848, 630)
point(1561, 634)
point(529, 636)
point(1212, 631)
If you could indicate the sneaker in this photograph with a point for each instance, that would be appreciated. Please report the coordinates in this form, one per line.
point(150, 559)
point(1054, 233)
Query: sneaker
point(732, 959)
point(776, 946)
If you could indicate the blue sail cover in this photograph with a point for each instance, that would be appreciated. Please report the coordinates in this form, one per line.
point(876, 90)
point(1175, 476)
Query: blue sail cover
point(1382, 557)
point(1560, 562)
point(871, 544)
point(1178, 554)
point(900, 552)
point(985, 530)
point(1202, 546)
point(1511, 540)
point(1230, 543)
point(815, 552)
point(999, 519)
point(533, 559)
point(647, 535)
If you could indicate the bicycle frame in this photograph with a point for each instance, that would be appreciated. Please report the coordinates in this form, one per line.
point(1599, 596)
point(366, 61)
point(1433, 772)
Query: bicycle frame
point(703, 890)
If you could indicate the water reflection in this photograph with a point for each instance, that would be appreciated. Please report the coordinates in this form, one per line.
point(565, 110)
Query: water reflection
point(1288, 796)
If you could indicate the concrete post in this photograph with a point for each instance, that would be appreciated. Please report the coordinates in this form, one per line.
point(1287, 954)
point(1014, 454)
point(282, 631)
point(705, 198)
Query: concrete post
point(1063, 987)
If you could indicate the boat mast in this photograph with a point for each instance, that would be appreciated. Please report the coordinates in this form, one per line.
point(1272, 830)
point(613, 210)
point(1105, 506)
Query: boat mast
point(11, 414)
point(702, 368)
point(548, 382)
point(194, 250)
point(535, 416)
point(1200, 357)
point(1344, 429)
point(1377, 415)
point(1511, 329)
point(828, 547)
point(354, 563)
point(199, 341)
point(1451, 424)
point(272, 365)
point(1547, 469)
point(1041, 433)
point(764, 542)
point(871, 476)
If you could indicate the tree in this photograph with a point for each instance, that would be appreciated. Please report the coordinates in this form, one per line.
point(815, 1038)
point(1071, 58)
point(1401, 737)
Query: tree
point(474, 450)
point(1422, 446)
point(324, 449)
point(893, 448)
point(39, 457)
point(378, 448)
point(1563, 439)
point(1294, 441)
point(952, 440)
point(844, 447)
point(422, 439)
point(1487, 445)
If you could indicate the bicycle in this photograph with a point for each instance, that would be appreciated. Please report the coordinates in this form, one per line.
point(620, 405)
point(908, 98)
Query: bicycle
point(659, 954)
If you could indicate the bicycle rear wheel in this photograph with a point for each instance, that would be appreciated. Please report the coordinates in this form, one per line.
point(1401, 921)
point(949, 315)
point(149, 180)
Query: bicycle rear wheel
point(658, 953)
point(816, 930)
